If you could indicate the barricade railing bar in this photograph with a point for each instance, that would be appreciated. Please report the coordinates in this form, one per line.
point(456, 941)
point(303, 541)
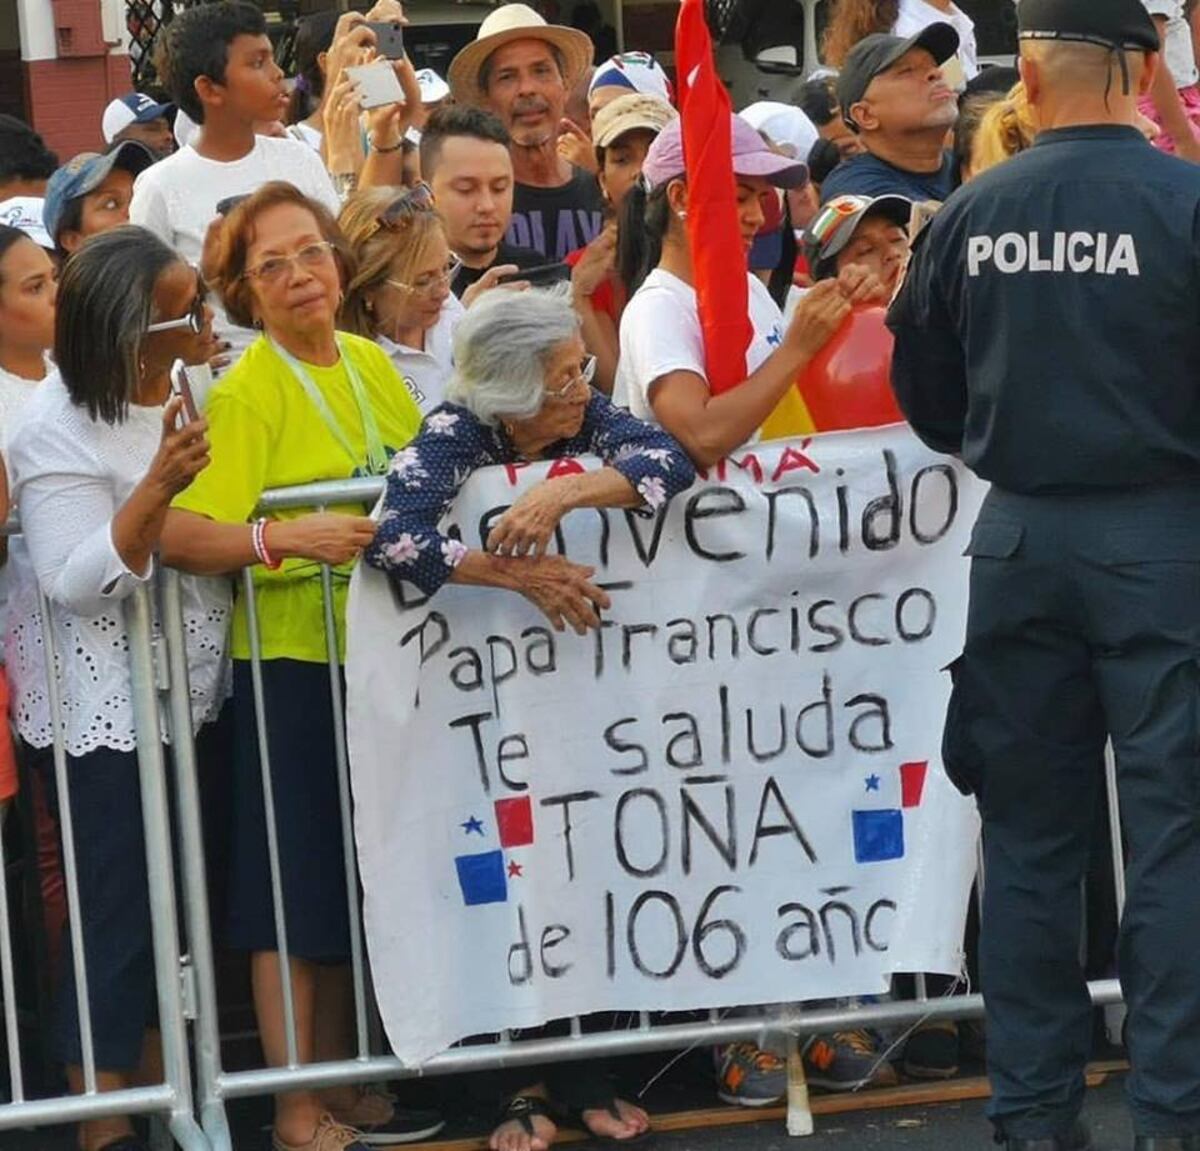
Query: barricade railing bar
point(186, 977)
point(172, 1100)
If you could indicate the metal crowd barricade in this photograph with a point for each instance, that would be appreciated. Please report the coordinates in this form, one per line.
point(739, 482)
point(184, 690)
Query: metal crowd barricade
point(215, 1084)
point(186, 978)
point(171, 1101)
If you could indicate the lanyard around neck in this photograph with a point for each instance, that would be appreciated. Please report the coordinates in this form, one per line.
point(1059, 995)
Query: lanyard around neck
point(377, 460)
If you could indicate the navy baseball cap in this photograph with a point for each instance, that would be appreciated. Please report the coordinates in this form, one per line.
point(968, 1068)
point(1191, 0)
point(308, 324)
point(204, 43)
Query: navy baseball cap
point(85, 173)
point(1108, 23)
point(136, 108)
point(875, 54)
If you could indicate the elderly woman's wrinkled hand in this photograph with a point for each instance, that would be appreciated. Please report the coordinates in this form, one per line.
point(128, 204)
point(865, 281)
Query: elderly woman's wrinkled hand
point(563, 591)
point(528, 526)
point(182, 452)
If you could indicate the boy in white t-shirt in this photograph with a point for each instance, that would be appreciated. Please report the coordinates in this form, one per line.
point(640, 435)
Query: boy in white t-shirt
point(1173, 102)
point(221, 71)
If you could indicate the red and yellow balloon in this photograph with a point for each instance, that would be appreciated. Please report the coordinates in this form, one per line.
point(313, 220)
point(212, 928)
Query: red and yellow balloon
point(847, 386)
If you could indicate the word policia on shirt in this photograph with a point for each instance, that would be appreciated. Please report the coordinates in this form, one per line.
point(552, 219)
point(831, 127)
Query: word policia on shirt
point(1077, 252)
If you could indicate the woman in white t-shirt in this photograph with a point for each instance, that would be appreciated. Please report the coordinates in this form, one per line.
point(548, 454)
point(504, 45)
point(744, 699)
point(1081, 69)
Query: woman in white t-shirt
point(661, 374)
point(399, 295)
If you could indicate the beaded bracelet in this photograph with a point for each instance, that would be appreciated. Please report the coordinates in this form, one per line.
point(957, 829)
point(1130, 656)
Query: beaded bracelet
point(258, 539)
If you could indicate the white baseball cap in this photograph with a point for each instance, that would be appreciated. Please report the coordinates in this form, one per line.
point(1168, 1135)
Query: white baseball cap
point(136, 108)
point(785, 125)
point(25, 212)
point(433, 87)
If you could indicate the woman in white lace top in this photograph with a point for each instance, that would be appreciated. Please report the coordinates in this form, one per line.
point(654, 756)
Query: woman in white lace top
point(96, 460)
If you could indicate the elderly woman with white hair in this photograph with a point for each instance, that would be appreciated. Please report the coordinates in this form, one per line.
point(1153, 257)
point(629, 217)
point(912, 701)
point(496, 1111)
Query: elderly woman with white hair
point(521, 391)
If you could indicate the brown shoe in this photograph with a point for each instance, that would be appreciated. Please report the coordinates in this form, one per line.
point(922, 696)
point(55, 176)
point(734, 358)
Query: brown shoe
point(330, 1135)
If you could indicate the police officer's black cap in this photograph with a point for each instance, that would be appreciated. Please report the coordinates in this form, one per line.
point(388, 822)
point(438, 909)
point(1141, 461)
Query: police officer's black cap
point(1110, 23)
point(878, 52)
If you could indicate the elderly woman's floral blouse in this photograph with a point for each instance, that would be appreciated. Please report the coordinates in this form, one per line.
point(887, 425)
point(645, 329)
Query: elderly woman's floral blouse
point(425, 477)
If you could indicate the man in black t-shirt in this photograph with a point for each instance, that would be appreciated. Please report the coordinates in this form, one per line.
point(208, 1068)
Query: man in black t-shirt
point(465, 160)
point(521, 69)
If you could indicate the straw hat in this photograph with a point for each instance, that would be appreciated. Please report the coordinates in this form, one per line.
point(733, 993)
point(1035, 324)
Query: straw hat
point(505, 24)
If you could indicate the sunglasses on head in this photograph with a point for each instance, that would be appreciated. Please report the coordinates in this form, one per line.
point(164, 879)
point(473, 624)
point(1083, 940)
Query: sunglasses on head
point(401, 210)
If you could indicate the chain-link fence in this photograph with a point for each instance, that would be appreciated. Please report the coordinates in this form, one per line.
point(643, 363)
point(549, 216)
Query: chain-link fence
point(146, 19)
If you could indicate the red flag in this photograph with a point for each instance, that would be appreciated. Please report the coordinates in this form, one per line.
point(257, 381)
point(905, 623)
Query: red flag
point(712, 224)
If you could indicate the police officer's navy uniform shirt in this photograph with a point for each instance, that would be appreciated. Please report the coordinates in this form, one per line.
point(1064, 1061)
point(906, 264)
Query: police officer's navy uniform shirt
point(868, 175)
point(1049, 327)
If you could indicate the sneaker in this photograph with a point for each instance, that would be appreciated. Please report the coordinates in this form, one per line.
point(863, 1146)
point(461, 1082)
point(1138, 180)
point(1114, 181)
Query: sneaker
point(380, 1123)
point(848, 1061)
point(747, 1076)
point(330, 1135)
point(932, 1051)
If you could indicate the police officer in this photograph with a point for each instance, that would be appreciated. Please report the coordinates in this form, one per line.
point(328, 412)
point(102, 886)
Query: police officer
point(1049, 333)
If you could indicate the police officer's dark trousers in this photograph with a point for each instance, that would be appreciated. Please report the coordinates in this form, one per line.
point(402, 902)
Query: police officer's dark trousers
point(1085, 623)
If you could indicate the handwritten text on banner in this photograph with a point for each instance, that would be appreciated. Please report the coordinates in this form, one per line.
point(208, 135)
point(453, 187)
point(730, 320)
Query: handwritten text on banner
point(730, 794)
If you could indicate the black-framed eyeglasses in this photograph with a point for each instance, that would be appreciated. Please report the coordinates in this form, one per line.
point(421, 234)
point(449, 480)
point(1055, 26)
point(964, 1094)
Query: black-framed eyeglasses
point(193, 320)
point(418, 198)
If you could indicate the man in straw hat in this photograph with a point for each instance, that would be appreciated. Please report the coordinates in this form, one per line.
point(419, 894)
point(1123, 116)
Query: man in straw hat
point(522, 69)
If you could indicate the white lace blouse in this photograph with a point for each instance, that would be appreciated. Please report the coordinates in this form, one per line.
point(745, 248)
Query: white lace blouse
point(71, 475)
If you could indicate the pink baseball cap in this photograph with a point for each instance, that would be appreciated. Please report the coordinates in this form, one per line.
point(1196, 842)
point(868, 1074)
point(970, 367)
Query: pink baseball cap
point(752, 156)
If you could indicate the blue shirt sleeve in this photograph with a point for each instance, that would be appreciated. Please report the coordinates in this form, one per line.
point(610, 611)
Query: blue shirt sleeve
point(425, 477)
point(422, 482)
point(657, 468)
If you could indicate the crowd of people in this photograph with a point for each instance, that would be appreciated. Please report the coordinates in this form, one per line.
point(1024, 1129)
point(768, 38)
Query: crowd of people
point(258, 284)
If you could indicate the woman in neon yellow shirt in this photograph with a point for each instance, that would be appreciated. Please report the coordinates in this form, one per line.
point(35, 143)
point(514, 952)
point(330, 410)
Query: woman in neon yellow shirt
point(303, 404)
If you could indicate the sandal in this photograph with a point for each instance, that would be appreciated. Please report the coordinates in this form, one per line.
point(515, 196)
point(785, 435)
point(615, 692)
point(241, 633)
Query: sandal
point(522, 1109)
point(609, 1105)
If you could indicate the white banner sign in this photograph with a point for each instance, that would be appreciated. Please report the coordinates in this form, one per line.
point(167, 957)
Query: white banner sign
point(730, 794)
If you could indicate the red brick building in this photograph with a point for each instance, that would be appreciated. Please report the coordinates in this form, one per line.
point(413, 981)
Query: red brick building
point(61, 62)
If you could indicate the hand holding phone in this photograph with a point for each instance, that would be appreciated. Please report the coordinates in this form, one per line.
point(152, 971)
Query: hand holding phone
point(389, 38)
point(181, 386)
point(377, 84)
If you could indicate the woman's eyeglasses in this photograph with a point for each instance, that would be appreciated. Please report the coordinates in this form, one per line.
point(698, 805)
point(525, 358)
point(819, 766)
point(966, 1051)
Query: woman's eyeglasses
point(193, 320)
point(428, 286)
point(418, 198)
point(276, 267)
point(587, 373)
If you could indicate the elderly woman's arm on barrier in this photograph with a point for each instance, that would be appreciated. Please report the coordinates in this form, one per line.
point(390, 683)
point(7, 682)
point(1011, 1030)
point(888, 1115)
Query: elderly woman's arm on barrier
point(88, 550)
point(423, 481)
point(645, 467)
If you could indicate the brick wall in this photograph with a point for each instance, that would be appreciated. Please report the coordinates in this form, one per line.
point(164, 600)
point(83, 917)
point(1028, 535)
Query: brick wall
point(66, 98)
